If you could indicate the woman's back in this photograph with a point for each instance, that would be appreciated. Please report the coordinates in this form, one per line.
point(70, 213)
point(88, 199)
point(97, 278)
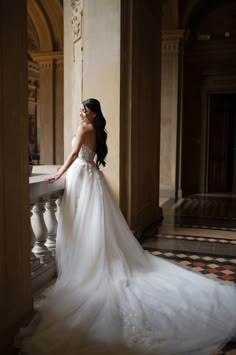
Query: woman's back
point(89, 138)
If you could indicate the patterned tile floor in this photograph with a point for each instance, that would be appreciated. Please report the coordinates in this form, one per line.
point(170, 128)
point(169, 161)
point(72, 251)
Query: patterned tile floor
point(212, 266)
point(199, 233)
point(201, 211)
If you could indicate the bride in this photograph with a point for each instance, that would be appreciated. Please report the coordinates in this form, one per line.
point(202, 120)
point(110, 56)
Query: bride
point(112, 297)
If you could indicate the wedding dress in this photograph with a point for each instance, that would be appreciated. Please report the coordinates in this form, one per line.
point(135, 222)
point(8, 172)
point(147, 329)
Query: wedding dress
point(111, 296)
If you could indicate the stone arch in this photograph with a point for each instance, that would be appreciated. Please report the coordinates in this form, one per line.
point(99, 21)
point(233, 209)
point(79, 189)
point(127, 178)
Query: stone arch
point(41, 25)
point(33, 38)
point(191, 12)
point(53, 12)
point(46, 18)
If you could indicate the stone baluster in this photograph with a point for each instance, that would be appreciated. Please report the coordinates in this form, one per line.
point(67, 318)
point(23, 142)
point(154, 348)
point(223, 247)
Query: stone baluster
point(58, 202)
point(41, 232)
point(34, 261)
point(51, 223)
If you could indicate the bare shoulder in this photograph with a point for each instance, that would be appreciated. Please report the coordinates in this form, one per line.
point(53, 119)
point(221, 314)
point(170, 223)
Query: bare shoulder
point(84, 129)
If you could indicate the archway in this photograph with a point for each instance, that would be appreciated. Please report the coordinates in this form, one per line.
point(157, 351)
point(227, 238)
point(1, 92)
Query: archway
point(45, 80)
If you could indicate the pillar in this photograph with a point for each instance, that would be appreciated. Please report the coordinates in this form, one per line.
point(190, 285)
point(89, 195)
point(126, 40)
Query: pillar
point(73, 61)
point(59, 111)
point(140, 112)
point(171, 127)
point(112, 53)
point(15, 238)
point(51, 106)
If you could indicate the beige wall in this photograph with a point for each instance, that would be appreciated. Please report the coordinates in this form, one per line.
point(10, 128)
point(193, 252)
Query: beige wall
point(15, 274)
point(101, 73)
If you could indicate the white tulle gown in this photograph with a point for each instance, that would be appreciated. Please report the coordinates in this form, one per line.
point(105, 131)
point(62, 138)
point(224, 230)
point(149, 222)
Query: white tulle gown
point(111, 296)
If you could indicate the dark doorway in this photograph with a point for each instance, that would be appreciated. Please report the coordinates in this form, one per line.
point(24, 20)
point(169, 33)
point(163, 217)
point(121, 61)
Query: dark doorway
point(222, 143)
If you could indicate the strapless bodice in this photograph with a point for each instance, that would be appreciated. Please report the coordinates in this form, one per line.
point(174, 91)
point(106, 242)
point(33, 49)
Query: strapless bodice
point(86, 153)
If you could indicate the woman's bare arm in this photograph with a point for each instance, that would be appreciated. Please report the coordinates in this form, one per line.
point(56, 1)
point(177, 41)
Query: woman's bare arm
point(81, 131)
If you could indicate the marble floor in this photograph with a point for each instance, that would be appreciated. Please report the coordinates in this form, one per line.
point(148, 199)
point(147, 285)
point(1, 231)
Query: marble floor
point(199, 232)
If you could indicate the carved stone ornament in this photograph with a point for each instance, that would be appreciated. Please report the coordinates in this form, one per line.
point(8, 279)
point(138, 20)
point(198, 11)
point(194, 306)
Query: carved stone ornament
point(171, 42)
point(33, 39)
point(76, 6)
point(170, 47)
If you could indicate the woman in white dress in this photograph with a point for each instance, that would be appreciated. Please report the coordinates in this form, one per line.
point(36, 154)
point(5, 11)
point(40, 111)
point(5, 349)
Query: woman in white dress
point(111, 296)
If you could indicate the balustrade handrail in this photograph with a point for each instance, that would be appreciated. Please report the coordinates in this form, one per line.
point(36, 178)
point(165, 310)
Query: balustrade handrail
point(44, 202)
point(39, 188)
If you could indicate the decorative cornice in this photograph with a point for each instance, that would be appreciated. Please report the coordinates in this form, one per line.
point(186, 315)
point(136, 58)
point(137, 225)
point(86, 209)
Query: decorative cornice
point(33, 66)
point(45, 56)
point(173, 34)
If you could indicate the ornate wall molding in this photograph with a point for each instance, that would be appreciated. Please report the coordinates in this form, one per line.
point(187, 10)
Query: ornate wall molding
point(76, 21)
point(33, 38)
point(33, 86)
point(45, 56)
point(46, 65)
point(59, 64)
point(171, 41)
point(170, 47)
point(33, 66)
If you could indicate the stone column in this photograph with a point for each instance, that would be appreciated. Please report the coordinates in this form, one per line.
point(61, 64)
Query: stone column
point(112, 53)
point(59, 114)
point(73, 63)
point(51, 106)
point(171, 77)
point(140, 112)
point(15, 237)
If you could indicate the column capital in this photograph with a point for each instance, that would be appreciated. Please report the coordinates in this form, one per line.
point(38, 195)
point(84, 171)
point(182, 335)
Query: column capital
point(173, 35)
point(46, 56)
point(171, 41)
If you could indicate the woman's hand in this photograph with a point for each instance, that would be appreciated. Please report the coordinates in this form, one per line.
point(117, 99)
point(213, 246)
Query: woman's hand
point(53, 178)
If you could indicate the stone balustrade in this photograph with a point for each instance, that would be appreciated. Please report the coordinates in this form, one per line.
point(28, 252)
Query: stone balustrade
point(44, 207)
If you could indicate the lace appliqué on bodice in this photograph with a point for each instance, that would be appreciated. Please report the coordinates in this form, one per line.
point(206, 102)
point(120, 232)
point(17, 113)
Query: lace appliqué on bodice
point(86, 154)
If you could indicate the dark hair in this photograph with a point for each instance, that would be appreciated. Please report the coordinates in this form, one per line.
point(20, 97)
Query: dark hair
point(101, 133)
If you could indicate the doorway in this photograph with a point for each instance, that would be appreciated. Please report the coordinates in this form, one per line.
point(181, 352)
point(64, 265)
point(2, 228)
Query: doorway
point(222, 143)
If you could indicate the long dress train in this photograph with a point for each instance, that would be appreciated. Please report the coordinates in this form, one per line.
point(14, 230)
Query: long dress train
point(111, 296)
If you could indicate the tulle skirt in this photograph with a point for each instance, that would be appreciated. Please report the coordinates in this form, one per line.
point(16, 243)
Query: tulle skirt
point(112, 297)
